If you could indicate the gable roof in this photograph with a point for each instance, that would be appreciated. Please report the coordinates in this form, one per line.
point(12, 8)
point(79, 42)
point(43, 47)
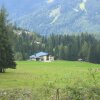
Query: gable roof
point(40, 54)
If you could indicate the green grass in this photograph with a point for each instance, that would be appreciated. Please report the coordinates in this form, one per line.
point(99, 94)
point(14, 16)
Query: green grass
point(59, 74)
point(58, 80)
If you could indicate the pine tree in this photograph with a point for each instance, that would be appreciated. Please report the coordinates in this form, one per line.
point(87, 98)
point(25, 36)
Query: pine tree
point(84, 51)
point(6, 53)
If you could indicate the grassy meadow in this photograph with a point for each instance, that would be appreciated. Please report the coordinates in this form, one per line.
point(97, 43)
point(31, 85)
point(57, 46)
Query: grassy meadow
point(51, 76)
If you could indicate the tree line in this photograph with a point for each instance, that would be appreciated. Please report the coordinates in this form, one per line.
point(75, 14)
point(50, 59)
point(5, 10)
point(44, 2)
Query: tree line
point(63, 47)
point(71, 47)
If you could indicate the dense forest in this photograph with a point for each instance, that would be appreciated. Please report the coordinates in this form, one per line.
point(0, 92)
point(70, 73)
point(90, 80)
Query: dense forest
point(63, 47)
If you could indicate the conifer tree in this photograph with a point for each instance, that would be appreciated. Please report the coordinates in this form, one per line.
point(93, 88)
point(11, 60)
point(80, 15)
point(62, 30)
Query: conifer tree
point(6, 53)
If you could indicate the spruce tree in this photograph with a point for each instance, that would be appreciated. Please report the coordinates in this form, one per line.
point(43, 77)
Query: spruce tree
point(6, 53)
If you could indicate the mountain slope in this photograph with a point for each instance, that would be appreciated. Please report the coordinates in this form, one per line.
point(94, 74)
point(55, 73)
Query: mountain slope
point(55, 16)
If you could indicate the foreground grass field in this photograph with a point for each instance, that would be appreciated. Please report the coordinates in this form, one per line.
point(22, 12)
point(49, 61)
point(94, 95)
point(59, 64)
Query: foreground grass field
point(58, 75)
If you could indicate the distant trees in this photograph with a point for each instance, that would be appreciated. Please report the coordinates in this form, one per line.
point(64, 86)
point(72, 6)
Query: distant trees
point(94, 53)
point(71, 47)
point(6, 53)
point(26, 44)
point(64, 47)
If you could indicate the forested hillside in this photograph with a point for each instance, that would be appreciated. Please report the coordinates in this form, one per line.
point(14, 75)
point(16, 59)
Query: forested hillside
point(64, 47)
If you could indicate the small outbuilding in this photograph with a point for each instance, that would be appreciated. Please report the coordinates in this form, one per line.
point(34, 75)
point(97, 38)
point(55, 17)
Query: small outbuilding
point(80, 59)
point(42, 56)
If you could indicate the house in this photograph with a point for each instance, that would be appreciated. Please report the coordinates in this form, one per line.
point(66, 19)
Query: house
point(42, 56)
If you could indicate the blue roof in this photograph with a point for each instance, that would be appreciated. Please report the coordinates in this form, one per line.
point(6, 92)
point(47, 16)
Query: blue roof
point(37, 55)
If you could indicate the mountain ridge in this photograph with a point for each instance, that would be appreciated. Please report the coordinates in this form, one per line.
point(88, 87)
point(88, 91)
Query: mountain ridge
point(55, 16)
